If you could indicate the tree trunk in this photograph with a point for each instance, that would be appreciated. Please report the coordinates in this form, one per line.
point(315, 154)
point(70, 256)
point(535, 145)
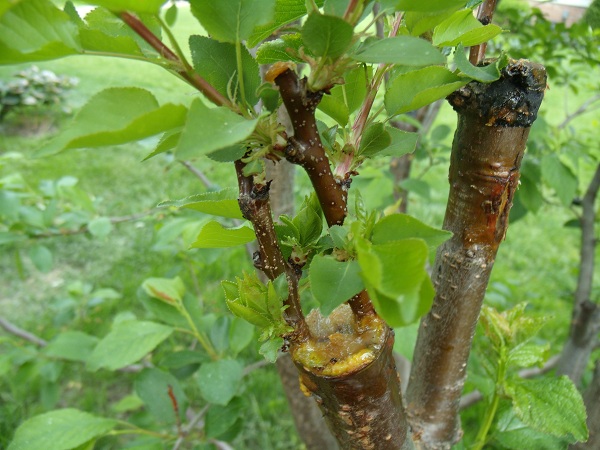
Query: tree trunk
point(592, 405)
point(586, 314)
point(493, 125)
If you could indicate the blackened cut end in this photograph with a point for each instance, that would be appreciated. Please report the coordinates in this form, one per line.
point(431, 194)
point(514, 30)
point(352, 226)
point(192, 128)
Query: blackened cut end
point(511, 101)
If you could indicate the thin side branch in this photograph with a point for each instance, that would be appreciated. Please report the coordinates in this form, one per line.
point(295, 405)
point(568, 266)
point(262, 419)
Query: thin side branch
point(21, 333)
point(192, 78)
point(584, 108)
point(255, 206)
point(484, 15)
point(198, 174)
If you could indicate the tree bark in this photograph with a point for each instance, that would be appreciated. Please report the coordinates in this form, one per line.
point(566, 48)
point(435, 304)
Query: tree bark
point(585, 325)
point(592, 406)
point(493, 125)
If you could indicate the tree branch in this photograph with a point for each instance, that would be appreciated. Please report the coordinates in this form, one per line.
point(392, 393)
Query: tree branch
point(584, 108)
point(484, 15)
point(254, 204)
point(305, 148)
point(484, 173)
point(21, 333)
point(586, 314)
point(191, 77)
point(198, 174)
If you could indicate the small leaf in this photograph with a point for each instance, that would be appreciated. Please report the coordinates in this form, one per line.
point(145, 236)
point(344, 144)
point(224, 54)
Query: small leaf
point(485, 74)
point(215, 235)
point(207, 130)
point(286, 11)
point(403, 142)
point(327, 36)
point(396, 227)
point(335, 108)
point(557, 175)
point(463, 28)
point(216, 62)
point(550, 405)
point(527, 355)
point(270, 349)
point(168, 290)
point(333, 282)
point(241, 333)
point(279, 49)
point(402, 50)
point(100, 227)
point(232, 20)
point(221, 203)
point(411, 90)
point(127, 343)
point(374, 140)
point(219, 418)
point(71, 345)
point(152, 386)
point(62, 429)
point(41, 257)
point(219, 381)
point(171, 14)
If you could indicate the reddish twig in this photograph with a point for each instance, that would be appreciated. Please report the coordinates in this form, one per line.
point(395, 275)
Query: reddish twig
point(192, 78)
point(484, 15)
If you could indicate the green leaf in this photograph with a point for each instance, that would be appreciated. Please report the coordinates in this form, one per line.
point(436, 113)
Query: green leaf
point(41, 257)
point(232, 20)
point(168, 290)
point(279, 49)
point(100, 227)
point(171, 15)
point(551, 405)
point(62, 429)
point(374, 140)
point(527, 355)
point(286, 11)
point(139, 6)
point(419, 22)
point(411, 90)
point(219, 418)
point(333, 282)
point(127, 343)
point(402, 266)
point(335, 108)
point(219, 381)
point(560, 177)
point(270, 349)
point(221, 203)
point(402, 50)
point(327, 36)
point(463, 28)
point(36, 30)
point(152, 386)
point(71, 345)
point(241, 334)
point(403, 142)
point(396, 227)
point(207, 130)
point(216, 62)
point(429, 5)
point(485, 74)
point(215, 235)
point(116, 116)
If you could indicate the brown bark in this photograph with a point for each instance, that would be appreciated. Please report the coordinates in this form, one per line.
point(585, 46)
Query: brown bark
point(586, 314)
point(362, 406)
point(493, 125)
point(305, 147)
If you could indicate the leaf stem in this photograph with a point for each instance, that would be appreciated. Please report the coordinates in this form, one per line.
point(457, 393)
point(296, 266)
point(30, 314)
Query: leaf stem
point(240, 73)
point(204, 342)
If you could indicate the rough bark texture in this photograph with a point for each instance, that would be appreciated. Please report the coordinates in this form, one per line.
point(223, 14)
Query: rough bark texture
point(308, 419)
point(493, 125)
point(586, 314)
point(363, 408)
point(592, 405)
